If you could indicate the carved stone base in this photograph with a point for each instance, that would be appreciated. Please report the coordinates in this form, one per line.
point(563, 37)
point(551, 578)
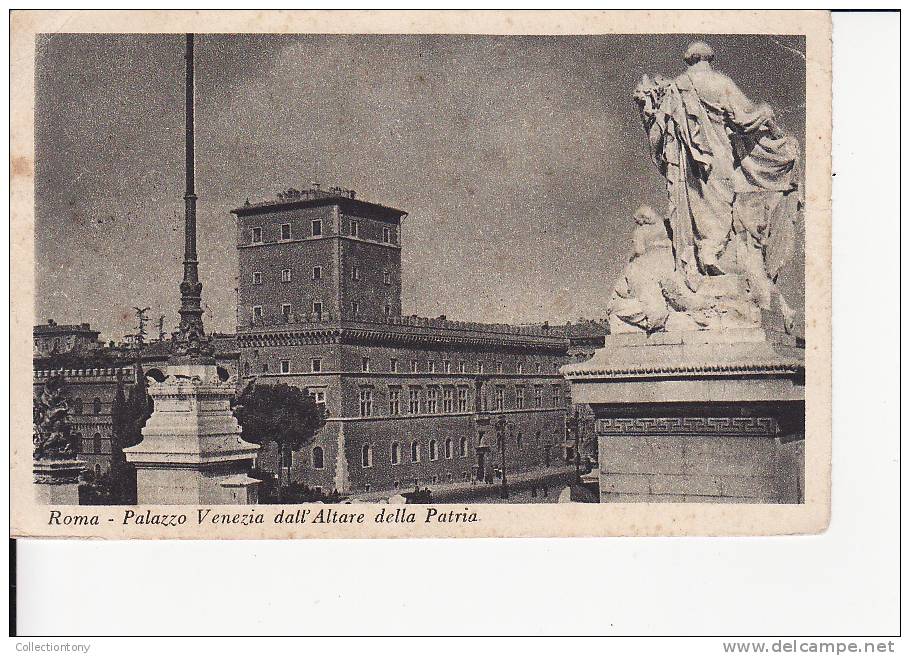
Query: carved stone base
point(712, 416)
point(57, 481)
point(192, 451)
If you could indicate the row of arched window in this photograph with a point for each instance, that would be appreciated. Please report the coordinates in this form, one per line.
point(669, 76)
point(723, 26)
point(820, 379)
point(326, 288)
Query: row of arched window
point(433, 451)
point(78, 408)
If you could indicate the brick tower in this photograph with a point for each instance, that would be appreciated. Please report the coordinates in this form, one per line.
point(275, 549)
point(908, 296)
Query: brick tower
point(318, 255)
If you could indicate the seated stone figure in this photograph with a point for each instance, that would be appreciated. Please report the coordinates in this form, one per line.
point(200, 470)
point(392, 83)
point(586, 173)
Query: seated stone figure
point(638, 302)
point(651, 295)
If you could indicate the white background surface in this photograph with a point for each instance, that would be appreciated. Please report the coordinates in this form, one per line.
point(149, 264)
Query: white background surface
point(844, 582)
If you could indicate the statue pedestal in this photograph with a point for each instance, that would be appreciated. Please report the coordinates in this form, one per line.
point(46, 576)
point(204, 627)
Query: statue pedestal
point(192, 451)
point(57, 481)
point(697, 417)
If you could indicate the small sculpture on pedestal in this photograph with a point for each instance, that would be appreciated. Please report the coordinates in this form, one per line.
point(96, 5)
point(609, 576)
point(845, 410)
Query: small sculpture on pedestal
point(52, 434)
point(694, 399)
point(55, 465)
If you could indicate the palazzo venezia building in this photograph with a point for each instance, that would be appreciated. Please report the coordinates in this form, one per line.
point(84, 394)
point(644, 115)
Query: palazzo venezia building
point(410, 400)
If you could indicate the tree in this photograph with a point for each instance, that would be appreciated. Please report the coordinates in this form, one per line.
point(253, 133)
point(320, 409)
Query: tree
point(128, 416)
point(283, 414)
point(130, 412)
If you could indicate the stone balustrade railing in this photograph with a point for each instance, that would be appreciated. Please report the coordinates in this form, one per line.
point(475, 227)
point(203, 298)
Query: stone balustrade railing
point(108, 372)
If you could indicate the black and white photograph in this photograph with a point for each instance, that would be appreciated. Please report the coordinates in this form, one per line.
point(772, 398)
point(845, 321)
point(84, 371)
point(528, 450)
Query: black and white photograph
point(291, 273)
point(454, 323)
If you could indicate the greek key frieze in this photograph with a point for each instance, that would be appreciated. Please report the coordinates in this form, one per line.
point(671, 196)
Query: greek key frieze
point(749, 426)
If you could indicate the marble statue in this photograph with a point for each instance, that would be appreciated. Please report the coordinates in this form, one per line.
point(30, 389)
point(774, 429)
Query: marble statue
point(733, 186)
point(52, 435)
point(651, 295)
point(638, 302)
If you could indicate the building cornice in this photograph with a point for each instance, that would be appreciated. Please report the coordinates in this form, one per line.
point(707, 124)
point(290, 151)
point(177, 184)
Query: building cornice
point(685, 371)
point(704, 354)
point(476, 415)
point(401, 377)
point(301, 240)
point(374, 210)
point(374, 337)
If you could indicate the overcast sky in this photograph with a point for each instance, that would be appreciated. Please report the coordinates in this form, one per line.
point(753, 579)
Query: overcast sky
point(518, 159)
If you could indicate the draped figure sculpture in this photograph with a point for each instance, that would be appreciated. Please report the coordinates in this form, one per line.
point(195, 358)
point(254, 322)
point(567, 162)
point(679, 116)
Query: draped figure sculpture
point(733, 186)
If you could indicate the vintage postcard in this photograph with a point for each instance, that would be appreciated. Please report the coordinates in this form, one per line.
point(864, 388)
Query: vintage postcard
point(435, 274)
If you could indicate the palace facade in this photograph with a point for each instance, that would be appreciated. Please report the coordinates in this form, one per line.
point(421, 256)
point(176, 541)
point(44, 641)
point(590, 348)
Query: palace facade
point(411, 401)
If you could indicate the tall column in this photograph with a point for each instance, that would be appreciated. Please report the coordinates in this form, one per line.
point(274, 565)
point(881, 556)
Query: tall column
point(191, 337)
point(192, 449)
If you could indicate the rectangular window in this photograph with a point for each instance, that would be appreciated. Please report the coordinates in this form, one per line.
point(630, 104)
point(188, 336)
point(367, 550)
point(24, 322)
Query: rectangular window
point(386, 235)
point(431, 366)
point(413, 366)
point(285, 275)
point(257, 313)
point(447, 366)
point(355, 306)
point(265, 367)
point(538, 367)
point(285, 231)
point(521, 368)
point(462, 367)
point(393, 366)
point(317, 309)
point(462, 399)
point(447, 400)
point(555, 390)
point(499, 367)
point(355, 228)
point(394, 401)
point(538, 396)
point(317, 273)
point(286, 310)
point(388, 310)
point(316, 365)
point(319, 395)
point(316, 227)
point(432, 398)
point(366, 402)
point(414, 400)
point(256, 235)
point(500, 398)
point(519, 397)
point(386, 278)
point(355, 273)
point(285, 366)
point(480, 367)
point(364, 364)
point(257, 277)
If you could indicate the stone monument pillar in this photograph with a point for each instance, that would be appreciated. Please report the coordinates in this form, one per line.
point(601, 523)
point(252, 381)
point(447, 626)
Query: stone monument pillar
point(57, 481)
point(192, 451)
point(698, 395)
point(698, 416)
point(55, 462)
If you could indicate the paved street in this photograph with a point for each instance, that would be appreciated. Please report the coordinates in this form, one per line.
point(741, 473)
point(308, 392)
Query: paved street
point(537, 486)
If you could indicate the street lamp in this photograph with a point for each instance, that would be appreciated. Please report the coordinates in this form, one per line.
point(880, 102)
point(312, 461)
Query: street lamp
point(501, 427)
point(573, 423)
